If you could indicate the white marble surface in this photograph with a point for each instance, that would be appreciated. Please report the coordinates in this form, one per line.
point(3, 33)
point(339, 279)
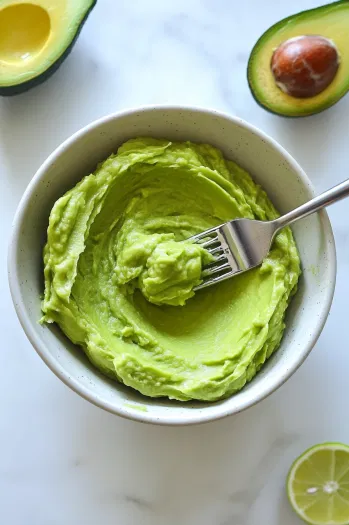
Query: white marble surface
point(62, 460)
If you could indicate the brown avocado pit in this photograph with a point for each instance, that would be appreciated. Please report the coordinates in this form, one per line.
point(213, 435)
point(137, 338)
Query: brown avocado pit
point(304, 66)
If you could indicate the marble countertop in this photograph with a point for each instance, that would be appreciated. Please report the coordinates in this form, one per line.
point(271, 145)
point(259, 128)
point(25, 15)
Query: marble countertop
point(64, 461)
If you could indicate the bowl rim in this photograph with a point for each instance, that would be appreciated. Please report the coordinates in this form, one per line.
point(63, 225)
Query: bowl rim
point(85, 392)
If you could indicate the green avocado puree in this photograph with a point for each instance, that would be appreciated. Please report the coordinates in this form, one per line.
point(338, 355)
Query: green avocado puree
point(119, 272)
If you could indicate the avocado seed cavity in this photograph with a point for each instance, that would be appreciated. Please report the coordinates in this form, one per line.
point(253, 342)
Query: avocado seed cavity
point(304, 66)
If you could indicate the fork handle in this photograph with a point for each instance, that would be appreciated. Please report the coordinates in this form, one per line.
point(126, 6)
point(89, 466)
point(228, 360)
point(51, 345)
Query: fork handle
point(325, 199)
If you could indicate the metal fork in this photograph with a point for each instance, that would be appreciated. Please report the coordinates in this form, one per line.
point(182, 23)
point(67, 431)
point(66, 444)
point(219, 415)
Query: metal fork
point(243, 244)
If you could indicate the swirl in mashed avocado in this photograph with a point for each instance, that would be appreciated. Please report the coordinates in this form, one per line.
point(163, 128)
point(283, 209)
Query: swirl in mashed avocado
point(119, 272)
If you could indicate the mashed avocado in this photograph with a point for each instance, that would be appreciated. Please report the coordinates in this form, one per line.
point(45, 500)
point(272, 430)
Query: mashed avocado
point(165, 270)
point(119, 270)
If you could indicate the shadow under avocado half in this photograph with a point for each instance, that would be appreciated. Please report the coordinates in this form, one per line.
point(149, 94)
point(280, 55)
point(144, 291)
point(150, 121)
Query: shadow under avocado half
point(30, 59)
point(300, 65)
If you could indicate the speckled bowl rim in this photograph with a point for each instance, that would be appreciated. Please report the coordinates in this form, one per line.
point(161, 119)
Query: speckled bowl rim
point(145, 417)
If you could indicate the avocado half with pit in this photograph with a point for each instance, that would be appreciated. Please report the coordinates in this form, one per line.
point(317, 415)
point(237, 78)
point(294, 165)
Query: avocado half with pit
point(35, 38)
point(300, 66)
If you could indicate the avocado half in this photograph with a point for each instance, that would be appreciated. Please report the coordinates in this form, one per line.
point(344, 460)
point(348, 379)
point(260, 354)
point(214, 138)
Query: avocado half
point(35, 38)
point(330, 21)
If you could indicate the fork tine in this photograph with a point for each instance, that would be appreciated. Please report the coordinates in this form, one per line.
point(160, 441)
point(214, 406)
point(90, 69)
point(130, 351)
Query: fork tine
point(220, 258)
point(200, 236)
point(216, 269)
point(216, 250)
point(209, 243)
point(208, 282)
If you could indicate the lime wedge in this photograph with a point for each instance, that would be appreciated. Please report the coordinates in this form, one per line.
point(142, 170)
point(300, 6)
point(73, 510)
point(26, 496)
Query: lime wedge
point(318, 485)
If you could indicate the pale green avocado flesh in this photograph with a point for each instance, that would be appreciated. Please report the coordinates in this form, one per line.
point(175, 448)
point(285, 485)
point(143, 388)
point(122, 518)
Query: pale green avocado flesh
point(115, 247)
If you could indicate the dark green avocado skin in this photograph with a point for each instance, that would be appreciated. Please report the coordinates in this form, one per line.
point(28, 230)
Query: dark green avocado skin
point(9, 91)
point(272, 29)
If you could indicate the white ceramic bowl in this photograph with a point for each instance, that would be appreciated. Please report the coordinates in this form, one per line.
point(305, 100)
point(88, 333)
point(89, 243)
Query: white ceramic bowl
point(270, 165)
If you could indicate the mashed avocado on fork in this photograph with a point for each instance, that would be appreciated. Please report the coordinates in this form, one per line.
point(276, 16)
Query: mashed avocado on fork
point(120, 272)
